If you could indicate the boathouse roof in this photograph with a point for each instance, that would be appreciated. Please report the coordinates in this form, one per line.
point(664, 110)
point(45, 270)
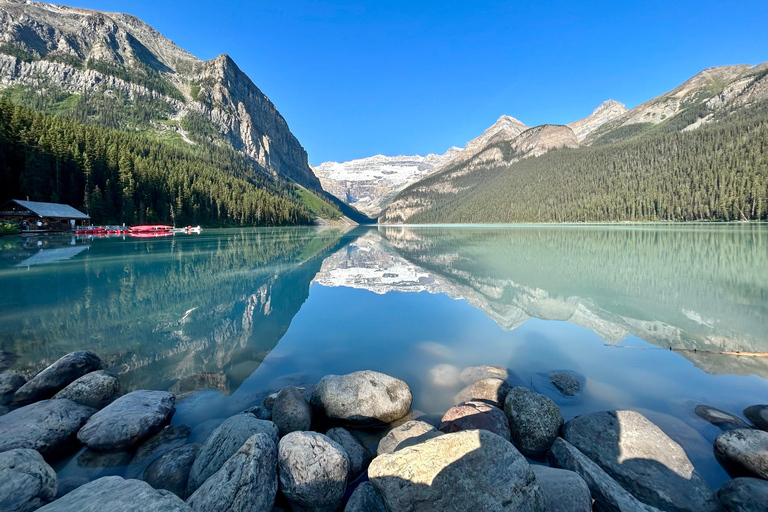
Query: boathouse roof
point(44, 210)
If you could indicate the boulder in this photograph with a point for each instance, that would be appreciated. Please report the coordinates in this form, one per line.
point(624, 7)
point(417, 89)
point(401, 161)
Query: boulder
point(291, 412)
point(362, 398)
point(26, 481)
point(169, 438)
point(10, 381)
point(567, 384)
point(95, 389)
point(493, 391)
point(609, 496)
point(313, 471)
point(408, 434)
point(642, 458)
point(475, 415)
point(758, 414)
point(721, 419)
point(170, 471)
point(744, 495)
point(534, 421)
point(113, 494)
point(365, 499)
point(69, 484)
point(563, 490)
point(246, 481)
point(444, 375)
point(269, 401)
point(223, 443)
point(359, 456)
point(260, 412)
point(127, 421)
point(469, 470)
point(49, 426)
point(4, 410)
point(475, 373)
point(743, 451)
point(57, 376)
point(101, 464)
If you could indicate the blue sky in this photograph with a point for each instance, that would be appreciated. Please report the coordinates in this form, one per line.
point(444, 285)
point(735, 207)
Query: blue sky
point(407, 77)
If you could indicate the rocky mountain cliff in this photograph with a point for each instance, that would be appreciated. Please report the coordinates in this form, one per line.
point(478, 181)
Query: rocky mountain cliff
point(607, 111)
point(54, 49)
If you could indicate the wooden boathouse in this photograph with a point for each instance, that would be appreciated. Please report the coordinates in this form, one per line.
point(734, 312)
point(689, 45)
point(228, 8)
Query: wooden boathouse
point(37, 216)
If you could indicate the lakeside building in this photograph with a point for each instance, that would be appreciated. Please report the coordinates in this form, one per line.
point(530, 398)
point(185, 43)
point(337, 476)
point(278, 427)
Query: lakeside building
point(38, 216)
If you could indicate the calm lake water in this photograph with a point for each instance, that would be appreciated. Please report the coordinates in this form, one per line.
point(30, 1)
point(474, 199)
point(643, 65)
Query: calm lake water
point(235, 314)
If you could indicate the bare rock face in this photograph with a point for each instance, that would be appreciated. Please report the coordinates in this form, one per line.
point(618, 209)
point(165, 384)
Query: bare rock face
point(365, 499)
point(744, 451)
point(471, 470)
point(408, 434)
point(26, 481)
point(313, 471)
point(640, 456)
point(359, 456)
point(291, 412)
point(534, 421)
point(563, 490)
point(605, 112)
point(494, 391)
point(95, 389)
point(57, 376)
point(170, 471)
point(475, 415)
point(744, 495)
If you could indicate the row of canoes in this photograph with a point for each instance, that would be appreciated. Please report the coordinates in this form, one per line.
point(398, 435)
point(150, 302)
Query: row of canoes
point(144, 231)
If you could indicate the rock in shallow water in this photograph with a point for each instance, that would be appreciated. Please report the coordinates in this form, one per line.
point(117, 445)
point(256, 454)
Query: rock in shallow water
point(170, 471)
point(475, 373)
point(642, 458)
point(534, 421)
point(721, 419)
point(26, 481)
point(359, 456)
point(408, 434)
point(365, 499)
point(563, 490)
point(444, 375)
point(127, 421)
point(758, 414)
point(291, 412)
point(10, 381)
point(744, 451)
point(57, 376)
point(95, 389)
point(493, 391)
point(49, 426)
point(313, 471)
point(567, 384)
point(744, 495)
point(362, 398)
point(475, 415)
point(470, 470)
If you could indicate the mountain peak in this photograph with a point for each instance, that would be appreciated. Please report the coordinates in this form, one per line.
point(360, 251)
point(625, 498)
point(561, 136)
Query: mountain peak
point(605, 112)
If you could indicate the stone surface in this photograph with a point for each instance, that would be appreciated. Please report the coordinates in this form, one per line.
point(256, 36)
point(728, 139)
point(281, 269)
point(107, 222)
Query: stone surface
point(475, 415)
point(57, 376)
point(758, 414)
point(362, 398)
point(476, 373)
point(492, 390)
point(365, 499)
point(563, 490)
point(313, 471)
point(261, 412)
point(128, 420)
point(10, 381)
point(721, 419)
point(567, 384)
point(291, 412)
point(223, 443)
point(470, 470)
point(359, 456)
point(744, 495)
point(95, 389)
point(247, 481)
point(169, 438)
point(408, 434)
point(642, 458)
point(113, 494)
point(609, 496)
point(49, 426)
point(534, 421)
point(744, 451)
point(26, 481)
point(170, 471)
point(269, 401)
point(69, 484)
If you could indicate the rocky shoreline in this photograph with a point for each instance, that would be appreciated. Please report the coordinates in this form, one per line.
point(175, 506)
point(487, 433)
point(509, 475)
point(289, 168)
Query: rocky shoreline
point(353, 443)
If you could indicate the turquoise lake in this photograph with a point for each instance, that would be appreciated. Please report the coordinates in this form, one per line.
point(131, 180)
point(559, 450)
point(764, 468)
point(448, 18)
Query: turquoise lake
point(640, 314)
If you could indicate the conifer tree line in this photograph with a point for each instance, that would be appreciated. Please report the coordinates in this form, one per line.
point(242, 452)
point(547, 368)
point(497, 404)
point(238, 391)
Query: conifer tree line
point(124, 177)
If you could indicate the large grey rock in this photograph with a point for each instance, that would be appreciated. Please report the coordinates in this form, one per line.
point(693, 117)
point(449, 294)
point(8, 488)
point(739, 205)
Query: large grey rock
point(365, 499)
point(475, 415)
point(567, 384)
point(721, 419)
point(291, 412)
point(469, 470)
point(57, 376)
point(408, 434)
point(127, 421)
point(247, 481)
point(170, 471)
point(113, 494)
point(744, 495)
point(223, 443)
point(10, 381)
point(609, 496)
point(475, 373)
point(493, 391)
point(359, 456)
point(534, 421)
point(49, 426)
point(758, 414)
point(563, 490)
point(26, 481)
point(95, 389)
point(313, 471)
point(744, 451)
point(362, 398)
point(260, 411)
point(643, 459)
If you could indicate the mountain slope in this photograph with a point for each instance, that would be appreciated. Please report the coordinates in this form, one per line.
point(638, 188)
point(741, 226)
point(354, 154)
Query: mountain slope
point(605, 112)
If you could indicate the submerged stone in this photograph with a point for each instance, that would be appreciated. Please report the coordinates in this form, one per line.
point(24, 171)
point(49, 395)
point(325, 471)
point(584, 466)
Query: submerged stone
point(57, 376)
point(721, 419)
point(566, 383)
point(170, 471)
